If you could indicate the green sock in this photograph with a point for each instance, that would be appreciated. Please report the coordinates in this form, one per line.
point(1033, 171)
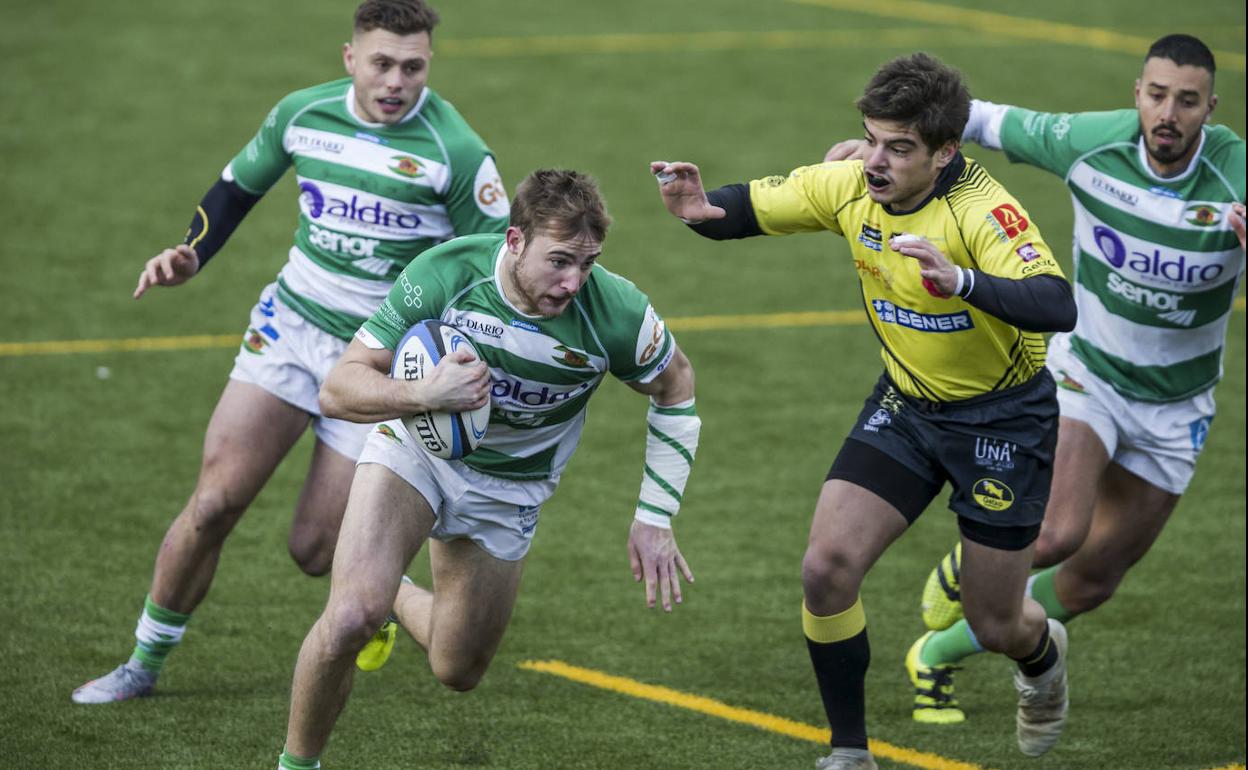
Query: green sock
point(1041, 588)
point(950, 646)
point(288, 761)
point(158, 632)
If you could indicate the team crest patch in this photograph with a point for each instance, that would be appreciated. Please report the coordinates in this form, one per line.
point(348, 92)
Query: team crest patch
point(389, 433)
point(406, 166)
point(1070, 383)
point(570, 357)
point(992, 494)
point(1202, 215)
point(1013, 223)
point(254, 342)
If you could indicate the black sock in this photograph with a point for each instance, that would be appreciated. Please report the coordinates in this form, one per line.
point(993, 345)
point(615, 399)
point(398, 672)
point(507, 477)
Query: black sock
point(841, 669)
point(1041, 659)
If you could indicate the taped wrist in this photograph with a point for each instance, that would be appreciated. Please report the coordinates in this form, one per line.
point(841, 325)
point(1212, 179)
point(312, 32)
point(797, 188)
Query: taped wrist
point(671, 443)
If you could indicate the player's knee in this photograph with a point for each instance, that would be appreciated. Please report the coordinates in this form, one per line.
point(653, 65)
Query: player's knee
point(213, 514)
point(993, 634)
point(313, 551)
point(458, 673)
point(1057, 544)
point(352, 622)
point(829, 568)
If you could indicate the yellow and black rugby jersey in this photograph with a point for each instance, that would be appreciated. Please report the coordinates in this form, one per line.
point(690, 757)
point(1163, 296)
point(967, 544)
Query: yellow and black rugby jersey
point(937, 349)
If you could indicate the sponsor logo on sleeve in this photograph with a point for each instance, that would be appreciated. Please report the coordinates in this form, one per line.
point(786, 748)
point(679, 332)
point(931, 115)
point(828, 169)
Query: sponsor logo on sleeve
point(992, 495)
point(942, 323)
point(412, 292)
point(488, 190)
point(650, 338)
point(1027, 252)
point(1061, 127)
point(1013, 223)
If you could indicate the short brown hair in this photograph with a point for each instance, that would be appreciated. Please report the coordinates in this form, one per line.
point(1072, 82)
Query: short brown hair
point(402, 17)
point(921, 92)
point(564, 204)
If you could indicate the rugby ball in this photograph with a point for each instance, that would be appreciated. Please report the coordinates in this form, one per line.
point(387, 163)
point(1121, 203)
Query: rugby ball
point(447, 435)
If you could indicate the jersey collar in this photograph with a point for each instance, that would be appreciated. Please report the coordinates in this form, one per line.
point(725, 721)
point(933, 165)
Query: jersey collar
point(424, 95)
point(948, 175)
point(1191, 165)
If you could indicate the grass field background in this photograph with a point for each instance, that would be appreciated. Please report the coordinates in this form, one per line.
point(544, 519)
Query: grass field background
point(117, 117)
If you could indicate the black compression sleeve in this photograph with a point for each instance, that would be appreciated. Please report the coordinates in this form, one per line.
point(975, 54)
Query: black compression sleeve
point(740, 221)
point(1041, 303)
point(223, 207)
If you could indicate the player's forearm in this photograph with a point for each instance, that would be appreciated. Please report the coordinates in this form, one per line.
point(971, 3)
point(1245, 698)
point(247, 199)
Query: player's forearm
point(357, 392)
point(984, 125)
point(739, 221)
point(218, 214)
point(1041, 303)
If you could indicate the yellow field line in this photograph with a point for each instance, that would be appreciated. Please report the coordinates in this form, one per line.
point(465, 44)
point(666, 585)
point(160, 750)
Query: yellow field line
point(754, 40)
point(998, 26)
point(711, 707)
point(203, 341)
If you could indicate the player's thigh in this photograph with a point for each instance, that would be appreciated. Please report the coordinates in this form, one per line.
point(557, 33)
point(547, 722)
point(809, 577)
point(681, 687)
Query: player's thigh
point(323, 498)
point(249, 433)
point(385, 524)
point(1130, 515)
point(993, 582)
point(474, 595)
point(853, 524)
point(1080, 460)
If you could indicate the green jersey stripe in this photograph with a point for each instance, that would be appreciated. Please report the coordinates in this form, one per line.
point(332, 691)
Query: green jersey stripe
point(1149, 305)
point(686, 411)
point(1151, 383)
point(334, 322)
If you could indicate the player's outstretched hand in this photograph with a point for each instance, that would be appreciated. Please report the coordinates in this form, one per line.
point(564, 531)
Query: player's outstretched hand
point(168, 268)
point(939, 275)
point(850, 149)
point(459, 382)
point(680, 184)
point(1237, 222)
point(654, 557)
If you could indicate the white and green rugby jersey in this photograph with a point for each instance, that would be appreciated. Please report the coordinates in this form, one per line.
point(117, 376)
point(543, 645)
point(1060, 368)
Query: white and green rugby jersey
point(1156, 263)
point(543, 370)
point(372, 196)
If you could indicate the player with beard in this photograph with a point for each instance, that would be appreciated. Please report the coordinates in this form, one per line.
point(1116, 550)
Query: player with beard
point(386, 168)
point(959, 286)
point(549, 323)
point(1159, 252)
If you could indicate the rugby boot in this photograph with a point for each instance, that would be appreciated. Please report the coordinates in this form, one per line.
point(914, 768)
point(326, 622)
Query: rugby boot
point(942, 594)
point(129, 680)
point(377, 651)
point(934, 703)
point(1043, 700)
point(847, 759)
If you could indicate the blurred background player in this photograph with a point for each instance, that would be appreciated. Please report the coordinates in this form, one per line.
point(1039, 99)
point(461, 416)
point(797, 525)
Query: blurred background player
point(549, 323)
point(1159, 252)
point(386, 168)
point(958, 285)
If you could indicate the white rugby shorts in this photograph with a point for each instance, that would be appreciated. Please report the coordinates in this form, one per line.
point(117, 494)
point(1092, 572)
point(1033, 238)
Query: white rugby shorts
point(1157, 442)
point(500, 515)
point(289, 357)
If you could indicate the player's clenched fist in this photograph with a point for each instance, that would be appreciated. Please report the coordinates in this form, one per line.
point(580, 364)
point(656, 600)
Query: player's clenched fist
point(168, 268)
